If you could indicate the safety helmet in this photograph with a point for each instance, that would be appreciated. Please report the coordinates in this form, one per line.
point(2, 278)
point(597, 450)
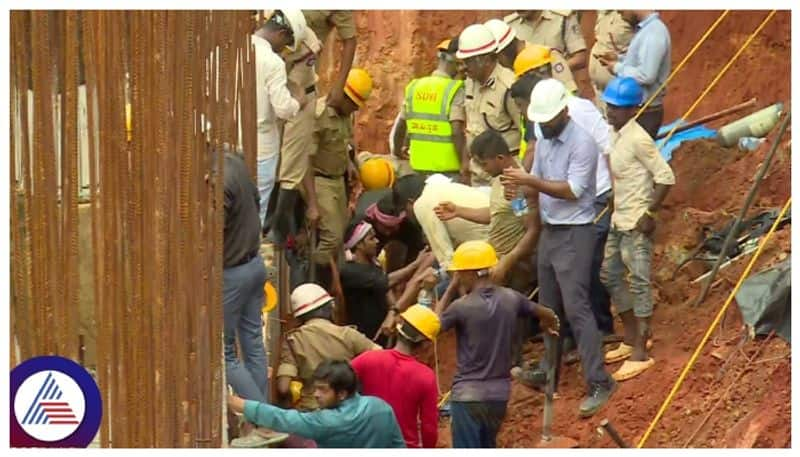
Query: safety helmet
point(295, 20)
point(475, 40)
point(623, 91)
point(308, 297)
point(533, 56)
point(423, 319)
point(502, 32)
point(443, 46)
point(358, 86)
point(473, 255)
point(270, 298)
point(548, 98)
point(377, 173)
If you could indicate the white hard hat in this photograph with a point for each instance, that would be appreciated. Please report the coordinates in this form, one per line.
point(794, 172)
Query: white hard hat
point(475, 40)
point(548, 98)
point(308, 297)
point(297, 22)
point(502, 32)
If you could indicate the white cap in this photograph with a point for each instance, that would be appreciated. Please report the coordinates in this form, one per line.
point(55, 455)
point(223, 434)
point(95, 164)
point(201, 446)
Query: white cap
point(502, 32)
point(308, 297)
point(548, 98)
point(476, 40)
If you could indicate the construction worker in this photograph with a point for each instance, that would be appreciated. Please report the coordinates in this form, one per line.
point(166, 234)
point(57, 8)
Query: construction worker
point(555, 29)
point(564, 175)
point(331, 139)
point(321, 22)
point(486, 93)
point(420, 200)
point(647, 60)
point(612, 33)
point(243, 278)
point(642, 179)
point(315, 340)
point(549, 61)
point(513, 232)
point(398, 378)
point(296, 142)
point(345, 420)
point(434, 115)
point(485, 318)
point(274, 99)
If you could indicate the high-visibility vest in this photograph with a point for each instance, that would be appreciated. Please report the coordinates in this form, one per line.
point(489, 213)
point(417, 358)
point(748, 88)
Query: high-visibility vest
point(523, 145)
point(427, 106)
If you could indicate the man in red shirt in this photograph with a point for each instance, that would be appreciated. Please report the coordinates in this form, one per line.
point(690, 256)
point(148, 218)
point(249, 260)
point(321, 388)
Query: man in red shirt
point(408, 385)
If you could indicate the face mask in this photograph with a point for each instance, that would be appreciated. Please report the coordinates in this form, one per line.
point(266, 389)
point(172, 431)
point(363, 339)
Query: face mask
point(550, 132)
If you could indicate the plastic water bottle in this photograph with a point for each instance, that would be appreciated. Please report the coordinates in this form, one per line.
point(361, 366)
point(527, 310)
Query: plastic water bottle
point(750, 143)
point(519, 205)
point(425, 298)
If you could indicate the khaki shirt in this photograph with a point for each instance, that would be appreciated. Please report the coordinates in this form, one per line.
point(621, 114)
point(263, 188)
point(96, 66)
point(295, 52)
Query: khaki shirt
point(321, 22)
point(491, 103)
point(332, 133)
point(609, 25)
point(505, 229)
point(304, 348)
point(457, 111)
point(636, 165)
point(557, 29)
point(300, 63)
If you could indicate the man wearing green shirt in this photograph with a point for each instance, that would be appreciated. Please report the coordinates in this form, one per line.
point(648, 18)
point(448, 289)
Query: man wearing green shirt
point(345, 418)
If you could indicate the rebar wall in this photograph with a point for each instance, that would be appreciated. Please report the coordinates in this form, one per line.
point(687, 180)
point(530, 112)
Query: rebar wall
point(156, 204)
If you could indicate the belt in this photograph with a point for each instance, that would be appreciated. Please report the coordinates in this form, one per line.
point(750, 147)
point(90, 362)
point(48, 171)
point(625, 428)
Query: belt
point(323, 175)
point(311, 89)
point(564, 226)
point(247, 257)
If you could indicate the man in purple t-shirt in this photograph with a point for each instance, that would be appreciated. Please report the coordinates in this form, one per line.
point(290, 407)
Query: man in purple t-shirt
point(484, 319)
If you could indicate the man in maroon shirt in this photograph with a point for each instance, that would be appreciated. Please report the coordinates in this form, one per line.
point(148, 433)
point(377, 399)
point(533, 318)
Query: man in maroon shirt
point(409, 386)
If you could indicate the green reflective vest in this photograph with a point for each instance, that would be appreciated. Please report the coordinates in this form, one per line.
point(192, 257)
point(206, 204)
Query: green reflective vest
point(523, 145)
point(427, 106)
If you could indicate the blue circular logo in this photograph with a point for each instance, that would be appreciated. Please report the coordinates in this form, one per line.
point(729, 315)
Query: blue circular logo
point(54, 403)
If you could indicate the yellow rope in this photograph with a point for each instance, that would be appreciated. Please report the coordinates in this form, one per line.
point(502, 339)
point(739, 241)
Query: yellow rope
point(721, 313)
point(683, 62)
point(720, 74)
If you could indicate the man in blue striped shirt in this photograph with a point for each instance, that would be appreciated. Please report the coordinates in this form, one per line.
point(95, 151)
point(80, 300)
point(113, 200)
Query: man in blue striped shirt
point(563, 174)
point(648, 61)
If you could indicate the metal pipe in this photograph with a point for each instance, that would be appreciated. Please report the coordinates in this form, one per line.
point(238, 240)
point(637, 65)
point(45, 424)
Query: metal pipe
point(712, 117)
point(743, 212)
point(612, 432)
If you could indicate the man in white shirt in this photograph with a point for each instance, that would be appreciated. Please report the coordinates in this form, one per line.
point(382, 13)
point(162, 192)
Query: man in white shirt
point(274, 99)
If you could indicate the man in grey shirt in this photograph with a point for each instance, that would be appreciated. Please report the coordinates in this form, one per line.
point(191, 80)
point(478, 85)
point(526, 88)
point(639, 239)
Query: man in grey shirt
point(648, 61)
point(563, 175)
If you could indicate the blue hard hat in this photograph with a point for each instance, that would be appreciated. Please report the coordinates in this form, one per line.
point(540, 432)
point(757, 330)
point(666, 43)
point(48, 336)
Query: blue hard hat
point(623, 92)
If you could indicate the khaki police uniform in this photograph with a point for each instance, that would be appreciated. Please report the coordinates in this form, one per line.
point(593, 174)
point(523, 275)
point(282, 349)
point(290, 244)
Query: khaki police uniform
point(317, 340)
point(489, 106)
point(321, 22)
point(609, 25)
point(332, 134)
point(556, 29)
point(560, 70)
point(296, 148)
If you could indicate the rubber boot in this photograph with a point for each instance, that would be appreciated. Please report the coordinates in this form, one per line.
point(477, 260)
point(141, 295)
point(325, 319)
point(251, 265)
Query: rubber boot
point(279, 221)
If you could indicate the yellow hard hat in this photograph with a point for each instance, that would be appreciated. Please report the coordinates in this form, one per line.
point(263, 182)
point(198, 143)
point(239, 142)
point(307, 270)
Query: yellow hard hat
point(358, 86)
point(377, 173)
point(271, 297)
point(382, 259)
point(473, 255)
point(423, 319)
point(295, 387)
point(533, 56)
point(444, 46)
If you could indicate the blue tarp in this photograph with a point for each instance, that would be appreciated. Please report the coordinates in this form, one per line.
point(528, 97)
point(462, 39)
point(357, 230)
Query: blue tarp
point(693, 133)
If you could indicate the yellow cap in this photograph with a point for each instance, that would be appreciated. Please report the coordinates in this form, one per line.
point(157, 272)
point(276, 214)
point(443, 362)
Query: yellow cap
point(423, 319)
point(358, 86)
point(377, 173)
point(533, 56)
point(473, 255)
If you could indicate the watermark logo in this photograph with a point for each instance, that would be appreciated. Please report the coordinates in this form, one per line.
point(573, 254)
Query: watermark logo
point(56, 403)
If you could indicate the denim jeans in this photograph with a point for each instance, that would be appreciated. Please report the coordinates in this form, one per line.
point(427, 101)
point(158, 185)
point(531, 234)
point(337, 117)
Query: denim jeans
point(474, 424)
point(242, 300)
point(266, 170)
point(628, 254)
